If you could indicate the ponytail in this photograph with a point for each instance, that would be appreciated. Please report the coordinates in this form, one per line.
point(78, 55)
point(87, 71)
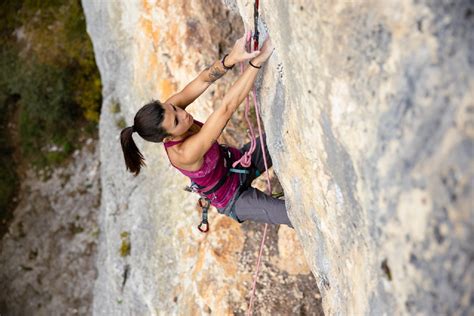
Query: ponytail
point(134, 159)
point(148, 124)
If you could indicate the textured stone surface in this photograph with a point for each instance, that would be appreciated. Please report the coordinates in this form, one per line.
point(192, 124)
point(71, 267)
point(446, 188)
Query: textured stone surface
point(148, 50)
point(369, 112)
point(48, 254)
point(371, 131)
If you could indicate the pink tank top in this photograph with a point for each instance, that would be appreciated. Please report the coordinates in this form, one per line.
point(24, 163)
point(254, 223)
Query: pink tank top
point(211, 171)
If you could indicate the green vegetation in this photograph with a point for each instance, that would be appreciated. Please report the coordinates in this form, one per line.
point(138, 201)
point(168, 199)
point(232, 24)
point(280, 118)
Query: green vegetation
point(8, 177)
point(50, 90)
point(121, 123)
point(125, 246)
point(95, 233)
point(114, 108)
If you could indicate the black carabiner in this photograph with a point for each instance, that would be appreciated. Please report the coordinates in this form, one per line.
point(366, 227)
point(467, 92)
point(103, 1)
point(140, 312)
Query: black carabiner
point(204, 230)
point(204, 203)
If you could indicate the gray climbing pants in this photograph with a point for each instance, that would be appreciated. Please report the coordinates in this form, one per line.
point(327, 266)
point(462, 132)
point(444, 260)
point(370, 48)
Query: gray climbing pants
point(252, 204)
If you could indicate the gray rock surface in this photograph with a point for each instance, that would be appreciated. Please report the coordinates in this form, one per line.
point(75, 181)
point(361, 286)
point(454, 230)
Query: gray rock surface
point(369, 112)
point(144, 51)
point(372, 136)
point(48, 254)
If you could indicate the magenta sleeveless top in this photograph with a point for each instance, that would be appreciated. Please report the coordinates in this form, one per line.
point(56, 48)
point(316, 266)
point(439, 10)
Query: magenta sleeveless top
point(211, 171)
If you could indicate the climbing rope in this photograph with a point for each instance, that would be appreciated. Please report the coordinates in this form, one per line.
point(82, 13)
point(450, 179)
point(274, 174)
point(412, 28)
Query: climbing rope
point(245, 161)
point(262, 145)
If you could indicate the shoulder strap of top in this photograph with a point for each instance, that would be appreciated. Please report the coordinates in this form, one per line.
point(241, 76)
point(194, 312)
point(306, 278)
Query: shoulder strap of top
point(172, 143)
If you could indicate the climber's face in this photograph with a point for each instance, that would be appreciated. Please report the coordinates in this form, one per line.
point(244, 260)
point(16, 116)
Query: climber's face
point(176, 121)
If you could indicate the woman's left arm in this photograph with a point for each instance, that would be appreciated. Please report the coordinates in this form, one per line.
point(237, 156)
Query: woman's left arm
point(196, 87)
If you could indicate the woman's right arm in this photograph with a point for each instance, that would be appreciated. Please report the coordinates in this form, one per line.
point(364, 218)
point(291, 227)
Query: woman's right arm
point(194, 148)
point(241, 88)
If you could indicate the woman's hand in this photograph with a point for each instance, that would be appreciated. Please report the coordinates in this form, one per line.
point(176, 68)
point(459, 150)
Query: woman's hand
point(239, 52)
point(265, 52)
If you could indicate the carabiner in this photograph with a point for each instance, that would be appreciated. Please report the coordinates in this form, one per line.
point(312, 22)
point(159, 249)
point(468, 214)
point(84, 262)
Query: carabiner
point(204, 203)
point(204, 230)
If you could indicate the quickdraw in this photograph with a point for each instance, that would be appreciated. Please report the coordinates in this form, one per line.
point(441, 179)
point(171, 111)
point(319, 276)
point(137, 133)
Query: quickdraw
point(255, 26)
point(204, 203)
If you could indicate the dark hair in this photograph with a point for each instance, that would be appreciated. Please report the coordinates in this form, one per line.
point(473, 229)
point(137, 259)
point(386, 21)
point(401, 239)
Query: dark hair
point(147, 123)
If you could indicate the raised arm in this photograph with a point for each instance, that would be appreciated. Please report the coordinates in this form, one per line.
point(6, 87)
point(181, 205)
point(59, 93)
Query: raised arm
point(198, 144)
point(196, 87)
point(241, 88)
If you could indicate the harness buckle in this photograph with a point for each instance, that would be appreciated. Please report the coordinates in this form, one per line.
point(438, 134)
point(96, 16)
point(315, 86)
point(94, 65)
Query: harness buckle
point(192, 188)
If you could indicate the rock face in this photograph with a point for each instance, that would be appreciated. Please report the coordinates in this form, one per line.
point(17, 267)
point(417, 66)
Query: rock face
point(48, 254)
point(369, 114)
point(152, 259)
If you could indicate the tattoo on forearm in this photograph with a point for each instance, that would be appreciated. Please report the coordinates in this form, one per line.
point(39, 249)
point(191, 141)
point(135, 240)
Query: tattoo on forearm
point(215, 72)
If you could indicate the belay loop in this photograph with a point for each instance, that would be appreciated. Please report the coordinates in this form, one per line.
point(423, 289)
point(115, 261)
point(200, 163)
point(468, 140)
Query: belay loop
point(204, 203)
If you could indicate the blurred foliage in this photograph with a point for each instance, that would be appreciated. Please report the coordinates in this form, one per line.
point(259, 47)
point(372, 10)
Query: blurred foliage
point(8, 177)
point(47, 68)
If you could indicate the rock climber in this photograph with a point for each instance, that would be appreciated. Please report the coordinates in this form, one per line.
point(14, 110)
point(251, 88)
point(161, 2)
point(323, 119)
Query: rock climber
point(192, 146)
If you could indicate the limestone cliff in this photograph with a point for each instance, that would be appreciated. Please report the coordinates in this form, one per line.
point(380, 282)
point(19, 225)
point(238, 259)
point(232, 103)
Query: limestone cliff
point(48, 254)
point(368, 107)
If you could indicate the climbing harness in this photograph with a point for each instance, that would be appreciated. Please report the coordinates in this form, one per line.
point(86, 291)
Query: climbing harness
point(207, 194)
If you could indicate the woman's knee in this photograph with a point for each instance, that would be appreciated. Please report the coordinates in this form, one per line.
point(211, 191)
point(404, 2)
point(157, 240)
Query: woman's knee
point(255, 205)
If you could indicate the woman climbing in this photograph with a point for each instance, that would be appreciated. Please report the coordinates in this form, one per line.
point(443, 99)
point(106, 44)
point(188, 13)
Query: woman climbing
point(192, 146)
